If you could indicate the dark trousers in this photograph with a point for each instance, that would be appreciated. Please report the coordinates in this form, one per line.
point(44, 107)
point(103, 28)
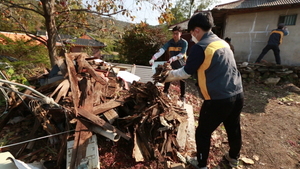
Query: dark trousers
point(182, 88)
point(276, 51)
point(212, 114)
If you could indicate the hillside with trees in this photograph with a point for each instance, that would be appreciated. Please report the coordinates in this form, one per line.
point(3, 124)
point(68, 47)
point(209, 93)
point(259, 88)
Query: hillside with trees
point(62, 17)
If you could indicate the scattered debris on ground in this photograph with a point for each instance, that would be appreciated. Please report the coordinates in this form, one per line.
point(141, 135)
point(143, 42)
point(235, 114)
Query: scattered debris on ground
point(88, 101)
point(141, 124)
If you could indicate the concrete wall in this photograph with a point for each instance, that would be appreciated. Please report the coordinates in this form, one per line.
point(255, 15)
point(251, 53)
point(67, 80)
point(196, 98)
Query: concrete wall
point(249, 35)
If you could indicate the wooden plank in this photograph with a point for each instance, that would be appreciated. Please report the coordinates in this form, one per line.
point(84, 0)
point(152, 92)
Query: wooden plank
point(137, 152)
point(63, 147)
point(82, 63)
point(82, 136)
point(63, 89)
point(168, 148)
point(191, 141)
point(111, 115)
point(106, 106)
point(98, 88)
point(86, 98)
point(62, 66)
point(49, 87)
point(73, 82)
point(177, 166)
point(100, 122)
point(181, 136)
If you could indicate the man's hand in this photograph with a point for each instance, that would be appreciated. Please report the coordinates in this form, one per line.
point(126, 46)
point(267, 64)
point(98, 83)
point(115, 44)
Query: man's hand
point(151, 61)
point(177, 74)
point(172, 59)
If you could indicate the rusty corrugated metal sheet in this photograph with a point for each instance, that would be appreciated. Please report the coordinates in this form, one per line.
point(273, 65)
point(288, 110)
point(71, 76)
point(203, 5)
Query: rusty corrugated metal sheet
point(255, 3)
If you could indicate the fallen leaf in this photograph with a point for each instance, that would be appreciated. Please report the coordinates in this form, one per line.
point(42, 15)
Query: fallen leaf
point(256, 157)
point(281, 103)
point(247, 160)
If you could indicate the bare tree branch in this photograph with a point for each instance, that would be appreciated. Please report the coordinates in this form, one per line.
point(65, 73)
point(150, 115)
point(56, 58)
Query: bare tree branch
point(35, 37)
point(94, 12)
point(10, 4)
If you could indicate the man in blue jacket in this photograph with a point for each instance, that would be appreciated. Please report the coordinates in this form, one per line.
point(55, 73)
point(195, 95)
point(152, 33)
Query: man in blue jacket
point(275, 39)
point(220, 85)
point(177, 48)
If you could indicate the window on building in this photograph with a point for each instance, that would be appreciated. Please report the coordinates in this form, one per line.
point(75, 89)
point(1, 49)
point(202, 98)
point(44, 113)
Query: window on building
point(288, 19)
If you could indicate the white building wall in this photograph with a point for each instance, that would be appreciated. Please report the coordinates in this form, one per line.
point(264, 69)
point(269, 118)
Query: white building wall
point(250, 32)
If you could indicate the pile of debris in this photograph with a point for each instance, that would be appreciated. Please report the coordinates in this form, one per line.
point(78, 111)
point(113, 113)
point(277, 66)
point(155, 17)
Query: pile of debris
point(161, 72)
point(269, 73)
point(91, 100)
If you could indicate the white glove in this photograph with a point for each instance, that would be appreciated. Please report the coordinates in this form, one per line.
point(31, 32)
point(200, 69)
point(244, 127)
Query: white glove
point(177, 74)
point(151, 61)
point(172, 59)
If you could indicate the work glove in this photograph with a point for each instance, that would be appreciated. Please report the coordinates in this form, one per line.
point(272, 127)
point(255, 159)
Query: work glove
point(172, 59)
point(177, 74)
point(152, 60)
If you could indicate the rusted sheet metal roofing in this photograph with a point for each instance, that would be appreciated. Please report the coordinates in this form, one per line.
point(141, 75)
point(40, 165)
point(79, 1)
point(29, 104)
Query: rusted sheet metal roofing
point(255, 3)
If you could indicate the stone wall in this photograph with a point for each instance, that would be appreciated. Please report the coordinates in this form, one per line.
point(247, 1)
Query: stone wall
point(270, 74)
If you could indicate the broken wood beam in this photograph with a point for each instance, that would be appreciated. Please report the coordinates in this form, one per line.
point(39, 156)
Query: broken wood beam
point(80, 144)
point(83, 64)
point(106, 106)
point(100, 122)
point(73, 82)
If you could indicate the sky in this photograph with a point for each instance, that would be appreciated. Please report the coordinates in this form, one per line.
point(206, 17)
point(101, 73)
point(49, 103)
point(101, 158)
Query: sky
point(146, 13)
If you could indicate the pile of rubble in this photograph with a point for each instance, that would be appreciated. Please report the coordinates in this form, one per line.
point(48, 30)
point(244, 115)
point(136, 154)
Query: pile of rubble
point(269, 73)
point(90, 100)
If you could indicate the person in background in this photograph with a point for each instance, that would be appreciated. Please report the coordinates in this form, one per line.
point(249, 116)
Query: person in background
point(220, 85)
point(177, 51)
point(275, 39)
point(228, 40)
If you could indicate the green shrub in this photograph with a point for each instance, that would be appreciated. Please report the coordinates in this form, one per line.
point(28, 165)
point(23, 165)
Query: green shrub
point(140, 42)
point(29, 56)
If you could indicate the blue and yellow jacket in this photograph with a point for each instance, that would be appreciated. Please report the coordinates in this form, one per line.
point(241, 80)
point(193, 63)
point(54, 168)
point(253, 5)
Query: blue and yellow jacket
point(213, 61)
point(176, 47)
point(276, 36)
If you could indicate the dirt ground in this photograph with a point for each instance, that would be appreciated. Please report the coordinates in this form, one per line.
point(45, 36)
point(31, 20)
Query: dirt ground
point(270, 123)
point(270, 128)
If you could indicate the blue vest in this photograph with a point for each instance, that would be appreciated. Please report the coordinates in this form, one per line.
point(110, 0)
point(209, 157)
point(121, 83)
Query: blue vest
point(218, 76)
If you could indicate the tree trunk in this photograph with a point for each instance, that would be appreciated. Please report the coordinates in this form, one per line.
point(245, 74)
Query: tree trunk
point(49, 15)
point(191, 7)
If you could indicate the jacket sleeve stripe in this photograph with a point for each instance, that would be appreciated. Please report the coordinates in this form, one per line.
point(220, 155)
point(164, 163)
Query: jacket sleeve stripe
point(209, 53)
point(281, 35)
point(177, 49)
